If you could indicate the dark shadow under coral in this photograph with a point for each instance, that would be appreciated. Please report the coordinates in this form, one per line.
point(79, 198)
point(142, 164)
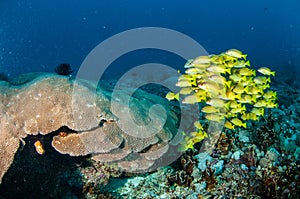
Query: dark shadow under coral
point(42, 176)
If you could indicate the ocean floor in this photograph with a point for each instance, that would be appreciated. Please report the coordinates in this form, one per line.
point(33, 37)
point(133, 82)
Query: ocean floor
point(261, 161)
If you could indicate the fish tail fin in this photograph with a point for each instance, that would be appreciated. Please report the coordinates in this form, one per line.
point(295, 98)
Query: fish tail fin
point(176, 96)
point(247, 63)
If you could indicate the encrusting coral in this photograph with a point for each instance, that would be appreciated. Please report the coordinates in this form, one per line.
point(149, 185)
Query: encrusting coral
point(49, 102)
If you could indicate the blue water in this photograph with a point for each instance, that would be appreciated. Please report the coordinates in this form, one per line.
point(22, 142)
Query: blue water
point(38, 35)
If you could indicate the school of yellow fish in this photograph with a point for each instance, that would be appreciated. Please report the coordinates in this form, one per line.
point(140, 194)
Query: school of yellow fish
point(230, 89)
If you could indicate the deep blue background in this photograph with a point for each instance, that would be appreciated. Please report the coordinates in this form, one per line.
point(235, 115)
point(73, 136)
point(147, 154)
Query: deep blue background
point(38, 35)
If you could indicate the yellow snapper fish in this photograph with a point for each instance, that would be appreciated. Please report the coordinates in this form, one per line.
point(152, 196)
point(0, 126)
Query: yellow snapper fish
point(236, 53)
point(249, 116)
point(198, 125)
point(245, 116)
point(201, 92)
point(231, 115)
point(188, 143)
point(238, 110)
point(215, 117)
point(186, 83)
point(247, 72)
point(246, 99)
point(258, 111)
point(271, 104)
point(192, 99)
point(198, 136)
point(221, 69)
point(209, 109)
point(260, 103)
point(211, 88)
point(241, 64)
point(270, 95)
point(201, 66)
point(238, 122)
point(229, 95)
point(237, 78)
point(238, 89)
point(234, 104)
point(193, 71)
point(187, 77)
point(216, 59)
point(220, 80)
point(216, 102)
point(253, 90)
point(186, 90)
point(201, 60)
point(227, 58)
point(247, 82)
point(172, 96)
point(266, 71)
point(228, 125)
point(261, 80)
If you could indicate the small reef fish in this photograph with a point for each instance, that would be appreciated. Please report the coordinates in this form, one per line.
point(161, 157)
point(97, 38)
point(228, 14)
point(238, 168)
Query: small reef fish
point(211, 88)
point(240, 64)
point(194, 71)
point(201, 66)
point(234, 104)
point(236, 53)
point(271, 104)
point(253, 90)
point(221, 69)
point(228, 125)
point(198, 125)
point(237, 78)
point(229, 89)
point(209, 109)
point(39, 147)
point(220, 80)
point(191, 99)
point(186, 83)
point(238, 122)
point(270, 95)
point(229, 95)
point(238, 89)
point(172, 96)
point(247, 72)
point(266, 71)
point(187, 77)
point(246, 99)
point(249, 116)
point(186, 90)
point(261, 80)
point(215, 117)
point(215, 59)
point(238, 110)
point(260, 103)
point(201, 60)
point(258, 111)
point(216, 102)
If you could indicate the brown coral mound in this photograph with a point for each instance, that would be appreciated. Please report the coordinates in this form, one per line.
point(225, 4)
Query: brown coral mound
point(49, 102)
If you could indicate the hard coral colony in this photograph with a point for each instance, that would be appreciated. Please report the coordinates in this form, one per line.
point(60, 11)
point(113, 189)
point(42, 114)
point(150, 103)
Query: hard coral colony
point(229, 88)
point(48, 104)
